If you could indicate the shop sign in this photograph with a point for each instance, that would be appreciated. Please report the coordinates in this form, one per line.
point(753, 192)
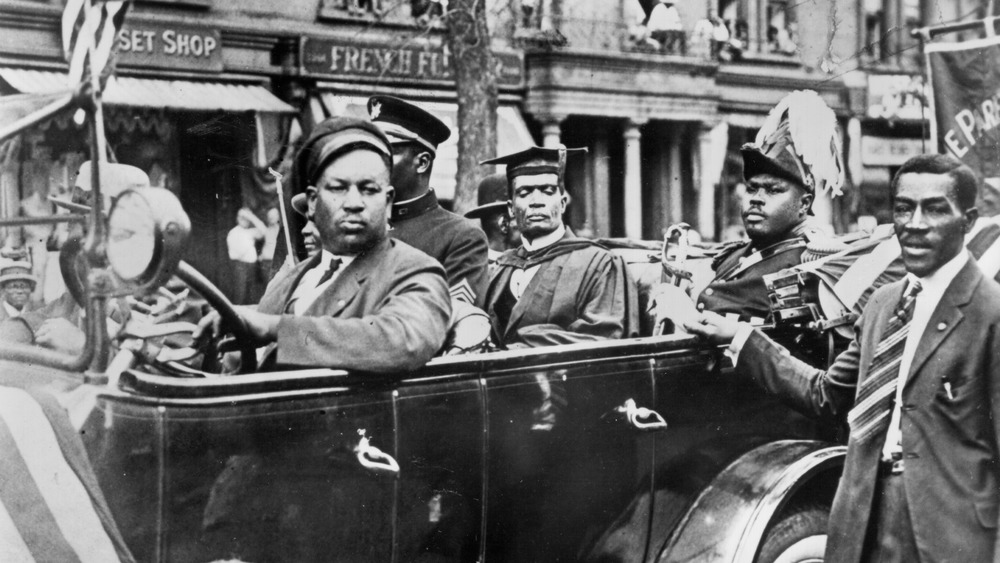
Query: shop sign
point(154, 45)
point(343, 58)
point(889, 151)
point(896, 96)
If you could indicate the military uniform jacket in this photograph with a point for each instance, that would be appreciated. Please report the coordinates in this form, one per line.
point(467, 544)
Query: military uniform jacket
point(950, 441)
point(387, 311)
point(581, 292)
point(455, 242)
point(738, 287)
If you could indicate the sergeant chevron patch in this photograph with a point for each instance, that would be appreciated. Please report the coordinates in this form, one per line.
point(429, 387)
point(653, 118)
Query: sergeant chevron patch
point(463, 291)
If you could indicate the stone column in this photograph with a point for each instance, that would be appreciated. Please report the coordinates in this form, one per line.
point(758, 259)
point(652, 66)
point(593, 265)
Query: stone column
point(675, 182)
point(598, 213)
point(552, 131)
point(704, 184)
point(633, 179)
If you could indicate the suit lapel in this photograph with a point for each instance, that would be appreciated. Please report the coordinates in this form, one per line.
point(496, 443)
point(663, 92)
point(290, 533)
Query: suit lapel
point(947, 315)
point(346, 286)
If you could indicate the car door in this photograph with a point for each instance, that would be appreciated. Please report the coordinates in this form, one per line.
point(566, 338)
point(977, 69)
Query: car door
point(271, 467)
point(567, 466)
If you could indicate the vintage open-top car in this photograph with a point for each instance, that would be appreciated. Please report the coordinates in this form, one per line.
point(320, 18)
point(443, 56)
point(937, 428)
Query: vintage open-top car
point(646, 449)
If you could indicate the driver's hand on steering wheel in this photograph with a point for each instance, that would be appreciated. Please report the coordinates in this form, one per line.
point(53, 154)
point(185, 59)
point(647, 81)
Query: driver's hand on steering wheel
point(263, 328)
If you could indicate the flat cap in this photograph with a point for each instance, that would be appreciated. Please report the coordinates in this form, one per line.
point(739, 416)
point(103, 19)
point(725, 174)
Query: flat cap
point(332, 138)
point(404, 122)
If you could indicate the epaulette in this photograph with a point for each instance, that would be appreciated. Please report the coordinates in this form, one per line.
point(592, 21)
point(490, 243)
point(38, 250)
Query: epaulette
point(726, 249)
point(820, 245)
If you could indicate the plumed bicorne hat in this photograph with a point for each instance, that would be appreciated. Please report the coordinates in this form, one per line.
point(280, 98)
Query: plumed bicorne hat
point(799, 143)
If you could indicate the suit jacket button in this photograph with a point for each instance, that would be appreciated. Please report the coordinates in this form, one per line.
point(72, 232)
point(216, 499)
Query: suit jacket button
point(709, 291)
point(341, 303)
point(701, 306)
point(942, 326)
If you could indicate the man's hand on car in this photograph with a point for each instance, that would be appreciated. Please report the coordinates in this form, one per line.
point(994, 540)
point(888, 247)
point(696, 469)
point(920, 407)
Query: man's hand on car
point(263, 328)
point(713, 327)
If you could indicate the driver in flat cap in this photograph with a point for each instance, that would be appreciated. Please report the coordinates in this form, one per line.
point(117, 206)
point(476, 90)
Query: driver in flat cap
point(555, 288)
point(365, 301)
point(417, 217)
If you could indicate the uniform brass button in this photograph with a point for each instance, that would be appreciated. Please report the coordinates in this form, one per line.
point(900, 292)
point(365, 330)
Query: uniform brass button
point(709, 291)
point(942, 326)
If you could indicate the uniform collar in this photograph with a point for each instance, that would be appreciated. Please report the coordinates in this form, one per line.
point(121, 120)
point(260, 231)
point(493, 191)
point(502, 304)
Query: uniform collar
point(403, 210)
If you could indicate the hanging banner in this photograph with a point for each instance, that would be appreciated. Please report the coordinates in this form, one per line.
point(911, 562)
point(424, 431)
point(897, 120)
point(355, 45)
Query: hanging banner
point(965, 78)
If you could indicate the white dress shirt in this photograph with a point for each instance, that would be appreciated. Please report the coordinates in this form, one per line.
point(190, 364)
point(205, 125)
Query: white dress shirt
point(520, 279)
point(307, 291)
point(933, 288)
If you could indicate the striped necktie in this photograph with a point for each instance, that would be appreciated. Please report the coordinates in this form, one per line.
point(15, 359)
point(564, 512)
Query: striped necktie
point(873, 405)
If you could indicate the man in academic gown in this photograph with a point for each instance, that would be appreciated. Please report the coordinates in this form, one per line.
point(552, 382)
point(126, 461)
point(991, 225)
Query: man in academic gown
point(555, 288)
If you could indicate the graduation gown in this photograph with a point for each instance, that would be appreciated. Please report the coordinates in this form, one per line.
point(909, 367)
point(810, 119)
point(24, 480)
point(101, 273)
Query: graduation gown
point(581, 292)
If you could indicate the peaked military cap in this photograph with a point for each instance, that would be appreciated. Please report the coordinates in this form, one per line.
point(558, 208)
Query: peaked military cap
point(537, 160)
point(404, 122)
point(491, 196)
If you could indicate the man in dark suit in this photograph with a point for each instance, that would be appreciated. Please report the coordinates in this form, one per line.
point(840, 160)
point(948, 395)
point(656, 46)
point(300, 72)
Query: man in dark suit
point(417, 218)
point(556, 288)
point(365, 301)
point(919, 386)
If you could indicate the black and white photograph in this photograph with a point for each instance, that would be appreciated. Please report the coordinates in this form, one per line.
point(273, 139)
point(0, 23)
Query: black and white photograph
point(500, 281)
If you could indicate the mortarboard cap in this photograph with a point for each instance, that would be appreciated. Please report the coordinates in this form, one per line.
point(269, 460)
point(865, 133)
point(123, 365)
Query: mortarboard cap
point(404, 122)
point(537, 160)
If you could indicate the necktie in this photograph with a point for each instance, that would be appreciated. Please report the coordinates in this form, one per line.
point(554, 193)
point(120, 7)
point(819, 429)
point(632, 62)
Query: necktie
point(334, 266)
point(332, 269)
point(873, 406)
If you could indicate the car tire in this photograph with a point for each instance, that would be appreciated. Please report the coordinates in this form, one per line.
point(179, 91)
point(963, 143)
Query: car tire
point(798, 536)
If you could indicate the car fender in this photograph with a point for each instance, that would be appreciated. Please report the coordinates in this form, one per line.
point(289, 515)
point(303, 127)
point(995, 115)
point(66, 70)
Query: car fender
point(728, 520)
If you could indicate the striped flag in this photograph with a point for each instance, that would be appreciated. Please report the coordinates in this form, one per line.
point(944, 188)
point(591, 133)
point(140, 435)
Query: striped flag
point(90, 29)
point(51, 506)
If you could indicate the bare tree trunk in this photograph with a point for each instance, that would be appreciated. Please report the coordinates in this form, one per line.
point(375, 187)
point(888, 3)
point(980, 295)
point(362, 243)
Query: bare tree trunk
point(476, 85)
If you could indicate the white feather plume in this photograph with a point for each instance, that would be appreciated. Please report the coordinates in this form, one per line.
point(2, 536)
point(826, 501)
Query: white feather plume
point(812, 126)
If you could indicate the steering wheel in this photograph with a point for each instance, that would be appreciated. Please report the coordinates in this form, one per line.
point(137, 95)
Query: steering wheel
point(232, 323)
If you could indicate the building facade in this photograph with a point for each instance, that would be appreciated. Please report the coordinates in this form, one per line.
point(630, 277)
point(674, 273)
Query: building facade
point(209, 94)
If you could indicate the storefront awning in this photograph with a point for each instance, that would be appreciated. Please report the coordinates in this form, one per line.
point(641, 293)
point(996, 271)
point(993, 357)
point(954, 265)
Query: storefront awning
point(184, 95)
point(512, 133)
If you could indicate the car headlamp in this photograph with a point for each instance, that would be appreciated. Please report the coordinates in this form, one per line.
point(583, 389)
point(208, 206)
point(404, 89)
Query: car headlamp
point(147, 228)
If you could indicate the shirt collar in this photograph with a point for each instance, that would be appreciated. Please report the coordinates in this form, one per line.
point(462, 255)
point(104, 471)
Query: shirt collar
point(326, 257)
point(11, 310)
point(938, 281)
point(544, 240)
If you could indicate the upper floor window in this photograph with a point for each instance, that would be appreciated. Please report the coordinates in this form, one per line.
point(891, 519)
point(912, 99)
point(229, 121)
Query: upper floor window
point(408, 12)
point(886, 39)
point(762, 26)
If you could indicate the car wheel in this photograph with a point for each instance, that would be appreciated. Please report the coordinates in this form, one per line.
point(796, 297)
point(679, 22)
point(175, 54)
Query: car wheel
point(799, 536)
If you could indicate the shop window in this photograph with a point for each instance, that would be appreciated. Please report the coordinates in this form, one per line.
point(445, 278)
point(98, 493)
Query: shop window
point(763, 26)
point(886, 36)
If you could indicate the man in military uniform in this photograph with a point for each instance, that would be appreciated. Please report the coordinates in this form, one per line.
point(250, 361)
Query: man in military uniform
point(417, 218)
point(781, 185)
point(555, 288)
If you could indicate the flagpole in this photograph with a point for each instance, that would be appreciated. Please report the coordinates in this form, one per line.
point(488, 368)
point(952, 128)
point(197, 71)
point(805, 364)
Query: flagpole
point(99, 279)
